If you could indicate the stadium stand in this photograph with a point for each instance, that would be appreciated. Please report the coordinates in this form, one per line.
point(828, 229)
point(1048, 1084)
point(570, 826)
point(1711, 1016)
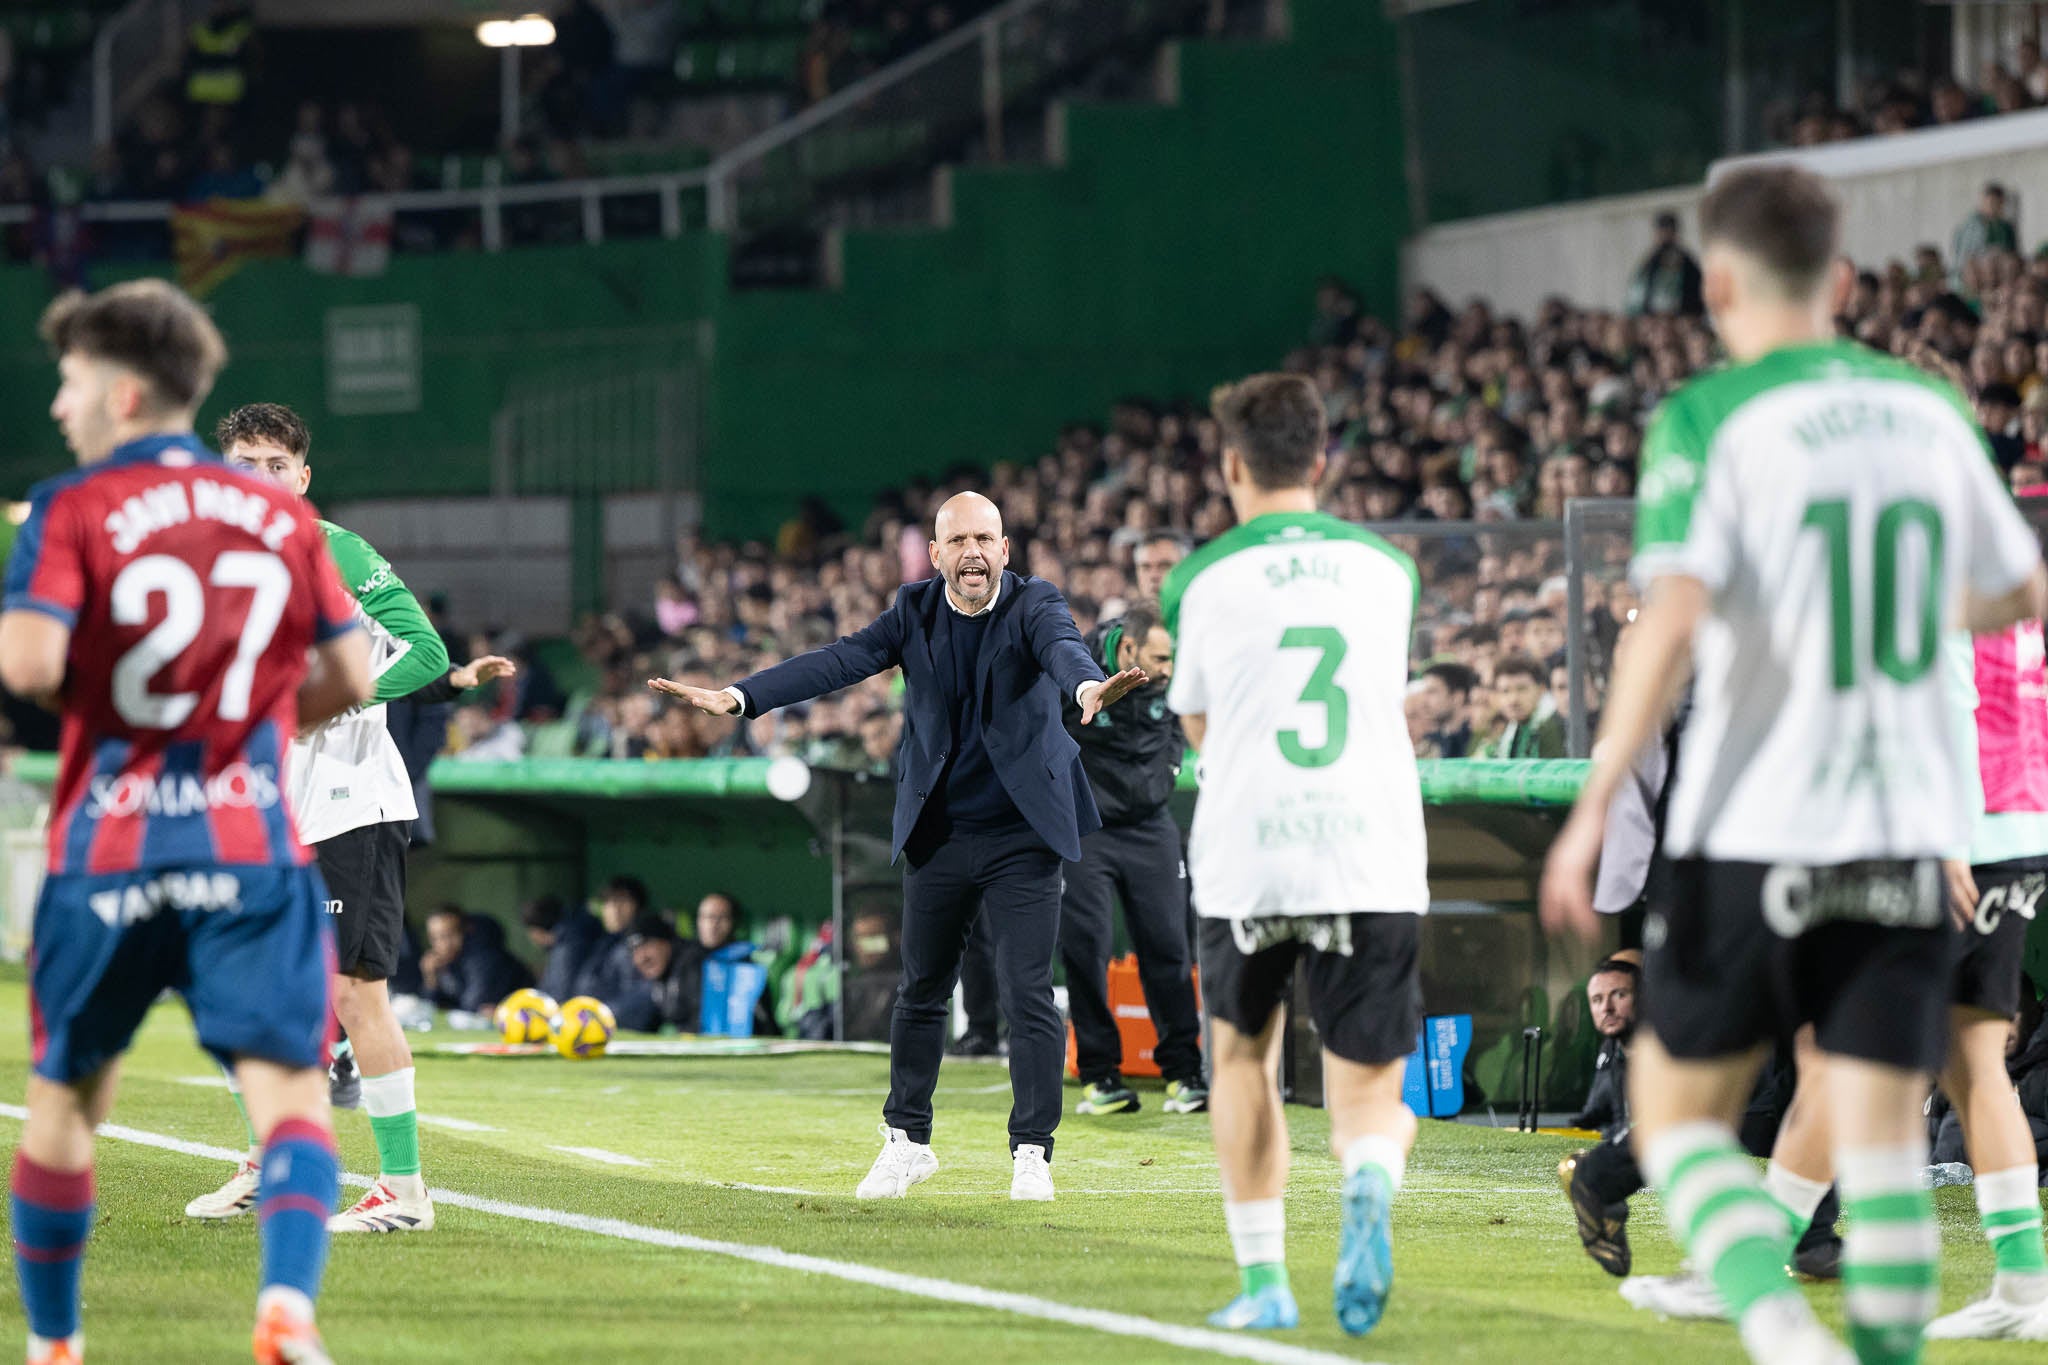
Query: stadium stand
point(1447, 415)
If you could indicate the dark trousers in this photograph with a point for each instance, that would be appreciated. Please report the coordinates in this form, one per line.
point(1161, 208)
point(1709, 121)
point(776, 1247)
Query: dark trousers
point(1611, 1172)
point(979, 989)
point(1142, 864)
point(1012, 881)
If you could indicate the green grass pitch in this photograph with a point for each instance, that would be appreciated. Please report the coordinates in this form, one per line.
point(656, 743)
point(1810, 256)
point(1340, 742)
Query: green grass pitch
point(1488, 1267)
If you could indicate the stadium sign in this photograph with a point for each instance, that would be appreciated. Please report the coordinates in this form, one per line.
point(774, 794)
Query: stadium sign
point(373, 359)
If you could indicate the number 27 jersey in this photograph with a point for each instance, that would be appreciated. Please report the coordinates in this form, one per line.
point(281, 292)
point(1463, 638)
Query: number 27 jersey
point(1836, 504)
point(193, 593)
point(1291, 639)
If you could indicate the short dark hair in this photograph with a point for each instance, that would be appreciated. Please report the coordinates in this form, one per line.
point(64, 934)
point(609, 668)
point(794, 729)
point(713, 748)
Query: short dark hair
point(1785, 217)
point(1542, 613)
point(632, 888)
point(542, 912)
point(1616, 964)
point(649, 925)
point(1276, 423)
point(1168, 537)
point(1521, 666)
point(1455, 677)
point(264, 423)
point(1141, 618)
point(1480, 634)
point(148, 327)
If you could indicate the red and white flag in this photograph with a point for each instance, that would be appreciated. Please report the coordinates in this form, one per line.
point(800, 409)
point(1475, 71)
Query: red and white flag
point(350, 236)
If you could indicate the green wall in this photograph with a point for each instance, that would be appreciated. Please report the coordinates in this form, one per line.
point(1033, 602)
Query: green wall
point(1176, 248)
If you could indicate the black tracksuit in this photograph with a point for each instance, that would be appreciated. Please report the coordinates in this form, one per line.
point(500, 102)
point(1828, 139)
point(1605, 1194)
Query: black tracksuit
point(1132, 754)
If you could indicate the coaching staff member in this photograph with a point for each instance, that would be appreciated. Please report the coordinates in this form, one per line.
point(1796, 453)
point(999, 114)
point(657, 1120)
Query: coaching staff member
point(1132, 755)
point(990, 798)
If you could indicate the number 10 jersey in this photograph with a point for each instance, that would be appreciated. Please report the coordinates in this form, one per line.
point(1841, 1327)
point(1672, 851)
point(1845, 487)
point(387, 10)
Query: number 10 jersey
point(193, 593)
point(1836, 503)
point(1291, 639)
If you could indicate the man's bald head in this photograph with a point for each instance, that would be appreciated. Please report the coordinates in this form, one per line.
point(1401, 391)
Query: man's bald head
point(969, 549)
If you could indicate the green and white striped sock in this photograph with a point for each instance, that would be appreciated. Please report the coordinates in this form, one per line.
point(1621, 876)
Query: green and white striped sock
point(1719, 1211)
point(2009, 1202)
point(393, 1122)
point(1891, 1254)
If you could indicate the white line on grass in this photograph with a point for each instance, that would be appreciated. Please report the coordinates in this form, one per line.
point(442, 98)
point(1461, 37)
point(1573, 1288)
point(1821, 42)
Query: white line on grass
point(600, 1154)
point(213, 1082)
point(455, 1125)
point(920, 1286)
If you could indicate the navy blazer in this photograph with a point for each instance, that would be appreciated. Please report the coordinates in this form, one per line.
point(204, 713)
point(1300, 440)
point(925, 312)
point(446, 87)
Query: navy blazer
point(1032, 657)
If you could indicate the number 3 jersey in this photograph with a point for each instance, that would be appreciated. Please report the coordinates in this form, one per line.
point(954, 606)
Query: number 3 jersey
point(193, 593)
point(1291, 638)
point(1837, 504)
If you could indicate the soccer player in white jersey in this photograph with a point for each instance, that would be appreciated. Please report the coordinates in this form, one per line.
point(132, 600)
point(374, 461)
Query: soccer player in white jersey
point(1292, 635)
point(1811, 519)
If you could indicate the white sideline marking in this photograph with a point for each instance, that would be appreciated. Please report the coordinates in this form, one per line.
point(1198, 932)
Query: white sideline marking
point(454, 1125)
point(921, 1286)
point(214, 1082)
point(600, 1154)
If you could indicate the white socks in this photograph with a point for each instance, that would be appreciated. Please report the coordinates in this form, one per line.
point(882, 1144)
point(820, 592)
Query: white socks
point(1375, 1150)
point(1798, 1194)
point(1258, 1231)
point(389, 1095)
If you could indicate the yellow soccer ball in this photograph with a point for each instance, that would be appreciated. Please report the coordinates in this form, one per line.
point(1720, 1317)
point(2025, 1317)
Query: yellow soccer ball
point(524, 1025)
point(584, 1028)
point(525, 998)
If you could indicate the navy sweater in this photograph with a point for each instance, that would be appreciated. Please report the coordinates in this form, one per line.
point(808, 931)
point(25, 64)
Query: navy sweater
point(971, 797)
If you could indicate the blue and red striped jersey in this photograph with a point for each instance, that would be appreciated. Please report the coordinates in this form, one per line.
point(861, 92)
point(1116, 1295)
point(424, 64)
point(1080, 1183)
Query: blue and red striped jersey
point(193, 593)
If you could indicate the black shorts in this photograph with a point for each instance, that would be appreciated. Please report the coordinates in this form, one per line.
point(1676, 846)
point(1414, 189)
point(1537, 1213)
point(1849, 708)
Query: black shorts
point(365, 873)
point(1740, 954)
point(1988, 970)
point(1366, 1004)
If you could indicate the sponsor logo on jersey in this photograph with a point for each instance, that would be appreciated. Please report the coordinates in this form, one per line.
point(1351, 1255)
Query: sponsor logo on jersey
point(210, 891)
point(239, 786)
point(382, 578)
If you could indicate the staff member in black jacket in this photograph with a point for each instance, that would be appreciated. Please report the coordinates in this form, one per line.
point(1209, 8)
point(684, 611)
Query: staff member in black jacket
point(1132, 754)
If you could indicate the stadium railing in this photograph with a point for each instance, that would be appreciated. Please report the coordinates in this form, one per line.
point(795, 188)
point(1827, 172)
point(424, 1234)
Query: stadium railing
point(947, 97)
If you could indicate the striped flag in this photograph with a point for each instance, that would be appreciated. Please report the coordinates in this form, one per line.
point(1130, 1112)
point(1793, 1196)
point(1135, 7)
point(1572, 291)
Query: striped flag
point(210, 240)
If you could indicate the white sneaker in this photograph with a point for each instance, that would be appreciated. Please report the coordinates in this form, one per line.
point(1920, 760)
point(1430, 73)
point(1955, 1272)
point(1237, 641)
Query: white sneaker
point(1992, 1318)
point(396, 1203)
point(233, 1199)
point(1030, 1173)
point(1687, 1294)
point(901, 1164)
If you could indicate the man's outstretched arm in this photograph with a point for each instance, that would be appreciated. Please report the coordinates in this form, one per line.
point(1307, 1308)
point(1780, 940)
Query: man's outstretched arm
point(873, 649)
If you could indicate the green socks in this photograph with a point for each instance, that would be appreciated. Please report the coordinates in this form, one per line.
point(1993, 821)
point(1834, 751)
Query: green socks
point(1258, 1235)
point(1890, 1254)
point(1265, 1275)
point(1736, 1233)
point(2009, 1203)
point(394, 1123)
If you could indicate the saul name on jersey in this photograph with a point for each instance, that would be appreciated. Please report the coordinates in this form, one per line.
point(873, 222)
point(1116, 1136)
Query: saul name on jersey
point(193, 595)
point(1291, 640)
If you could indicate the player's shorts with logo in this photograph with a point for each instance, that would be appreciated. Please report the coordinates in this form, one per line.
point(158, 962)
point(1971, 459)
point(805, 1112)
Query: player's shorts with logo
point(1364, 989)
point(1994, 948)
point(1738, 954)
point(365, 873)
point(247, 946)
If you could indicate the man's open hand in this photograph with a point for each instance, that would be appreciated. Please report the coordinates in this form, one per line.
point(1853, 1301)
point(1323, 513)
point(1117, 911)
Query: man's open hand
point(1108, 693)
point(716, 703)
point(1565, 897)
point(478, 671)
